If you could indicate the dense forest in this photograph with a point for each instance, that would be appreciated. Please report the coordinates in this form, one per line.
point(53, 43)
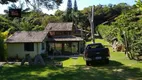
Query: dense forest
point(113, 20)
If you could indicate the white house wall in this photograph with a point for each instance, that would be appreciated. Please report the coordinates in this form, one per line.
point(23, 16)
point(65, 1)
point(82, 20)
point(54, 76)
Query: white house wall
point(15, 49)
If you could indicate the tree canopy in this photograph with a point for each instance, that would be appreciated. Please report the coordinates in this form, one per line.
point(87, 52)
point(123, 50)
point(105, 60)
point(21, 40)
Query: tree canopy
point(49, 4)
point(139, 4)
point(37, 4)
point(7, 1)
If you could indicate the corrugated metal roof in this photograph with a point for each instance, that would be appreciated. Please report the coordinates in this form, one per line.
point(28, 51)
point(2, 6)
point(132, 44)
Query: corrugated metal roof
point(27, 36)
point(66, 26)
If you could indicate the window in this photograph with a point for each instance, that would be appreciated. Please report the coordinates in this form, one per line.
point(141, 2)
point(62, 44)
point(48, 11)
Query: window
point(29, 46)
point(58, 33)
point(95, 46)
point(66, 33)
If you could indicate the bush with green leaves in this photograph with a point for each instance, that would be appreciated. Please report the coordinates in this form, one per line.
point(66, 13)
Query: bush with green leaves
point(127, 28)
point(108, 32)
point(3, 53)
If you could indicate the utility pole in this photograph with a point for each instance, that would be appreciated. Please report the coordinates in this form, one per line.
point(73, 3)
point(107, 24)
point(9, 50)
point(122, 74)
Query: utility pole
point(92, 25)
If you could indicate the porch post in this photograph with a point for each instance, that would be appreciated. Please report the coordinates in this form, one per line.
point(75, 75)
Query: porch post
point(79, 47)
point(37, 49)
point(54, 46)
point(71, 47)
point(47, 46)
point(63, 48)
point(53, 50)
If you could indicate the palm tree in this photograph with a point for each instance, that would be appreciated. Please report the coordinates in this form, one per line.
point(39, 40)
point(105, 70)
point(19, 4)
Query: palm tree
point(21, 6)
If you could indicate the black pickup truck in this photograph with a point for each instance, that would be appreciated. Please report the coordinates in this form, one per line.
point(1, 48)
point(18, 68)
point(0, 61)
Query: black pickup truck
point(94, 53)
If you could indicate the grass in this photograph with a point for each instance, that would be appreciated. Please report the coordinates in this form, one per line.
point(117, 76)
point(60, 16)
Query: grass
point(99, 41)
point(120, 68)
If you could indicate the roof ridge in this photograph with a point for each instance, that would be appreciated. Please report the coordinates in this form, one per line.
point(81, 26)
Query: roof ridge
point(60, 22)
point(30, 31)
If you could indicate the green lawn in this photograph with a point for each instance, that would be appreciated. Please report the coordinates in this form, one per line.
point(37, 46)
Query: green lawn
point(120, 68)
point(99, 41)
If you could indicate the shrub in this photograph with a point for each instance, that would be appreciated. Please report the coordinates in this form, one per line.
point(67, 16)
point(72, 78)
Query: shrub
point(107, 32)
point(2, 50)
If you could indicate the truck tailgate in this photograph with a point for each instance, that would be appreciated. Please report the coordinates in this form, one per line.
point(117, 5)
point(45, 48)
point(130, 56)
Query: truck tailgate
point(103, 52)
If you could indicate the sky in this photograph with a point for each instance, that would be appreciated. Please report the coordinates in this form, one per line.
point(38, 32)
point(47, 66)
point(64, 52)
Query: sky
point(81, 4)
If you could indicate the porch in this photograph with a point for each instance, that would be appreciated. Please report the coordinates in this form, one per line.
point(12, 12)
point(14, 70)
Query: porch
point(65, 46)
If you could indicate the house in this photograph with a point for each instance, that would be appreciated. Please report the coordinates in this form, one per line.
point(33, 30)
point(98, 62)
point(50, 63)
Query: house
point(26, 42)
point(61, 37)
point(56, 39)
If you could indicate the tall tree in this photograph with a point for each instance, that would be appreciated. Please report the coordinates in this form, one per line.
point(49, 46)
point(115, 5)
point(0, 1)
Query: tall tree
point(68, 15)
point(75, 6)
point(69, 7)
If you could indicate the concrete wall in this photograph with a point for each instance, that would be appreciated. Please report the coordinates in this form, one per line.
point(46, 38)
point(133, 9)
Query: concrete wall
point(18, 49)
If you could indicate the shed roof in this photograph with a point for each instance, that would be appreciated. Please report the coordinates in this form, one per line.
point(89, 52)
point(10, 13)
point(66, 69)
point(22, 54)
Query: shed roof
point(27, 36)
point(66, 26)
point(65, 38)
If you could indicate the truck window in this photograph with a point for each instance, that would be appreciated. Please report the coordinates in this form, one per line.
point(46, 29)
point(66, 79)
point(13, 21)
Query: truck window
point(95, 46)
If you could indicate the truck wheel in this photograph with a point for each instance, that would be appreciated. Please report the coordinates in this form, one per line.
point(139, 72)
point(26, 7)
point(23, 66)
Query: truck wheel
point(87, 63)
point(107, 61)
